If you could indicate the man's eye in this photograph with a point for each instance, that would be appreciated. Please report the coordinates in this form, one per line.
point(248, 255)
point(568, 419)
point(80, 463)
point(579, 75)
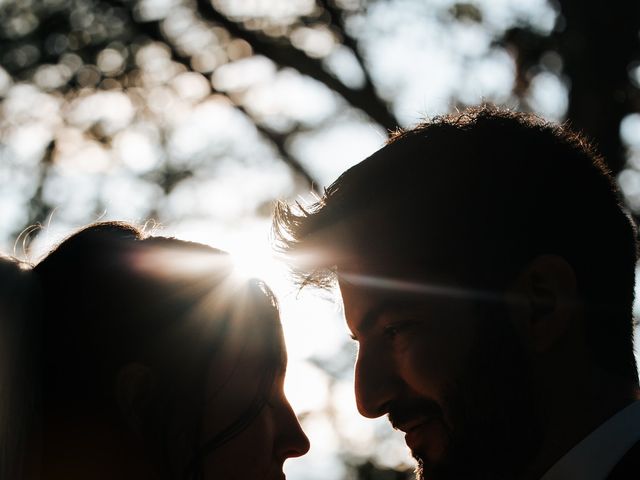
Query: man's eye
point(392, 330)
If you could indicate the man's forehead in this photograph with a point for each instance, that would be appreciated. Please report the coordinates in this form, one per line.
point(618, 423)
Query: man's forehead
point(353, 267)
point(398, 279)
point(368, 293)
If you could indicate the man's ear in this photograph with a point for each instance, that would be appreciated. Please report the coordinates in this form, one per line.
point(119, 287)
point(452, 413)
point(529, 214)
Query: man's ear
point(548, 299)
point(134, 389)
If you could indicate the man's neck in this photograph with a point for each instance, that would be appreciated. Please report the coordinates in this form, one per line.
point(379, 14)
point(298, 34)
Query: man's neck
point(572, 408)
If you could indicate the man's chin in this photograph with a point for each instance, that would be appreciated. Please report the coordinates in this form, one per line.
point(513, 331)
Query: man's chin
point(427, 469)
point(430, 471)
point(419, 471)
point(442, 467)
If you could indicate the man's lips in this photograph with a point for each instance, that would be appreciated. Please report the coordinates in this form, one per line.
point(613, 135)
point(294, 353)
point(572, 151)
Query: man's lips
point(423, 421)
point(410, 425)
point(425, 434)
point(414, 435)
point(412, 430)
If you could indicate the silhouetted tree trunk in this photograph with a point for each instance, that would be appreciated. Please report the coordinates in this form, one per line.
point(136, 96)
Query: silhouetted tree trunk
point(598, 45)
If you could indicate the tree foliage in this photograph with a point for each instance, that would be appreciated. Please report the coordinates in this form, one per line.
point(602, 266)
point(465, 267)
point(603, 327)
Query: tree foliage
point(71, 48)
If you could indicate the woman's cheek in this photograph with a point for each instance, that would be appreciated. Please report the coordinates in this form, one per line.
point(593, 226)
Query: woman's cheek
point(247, 455)
point(264, 435)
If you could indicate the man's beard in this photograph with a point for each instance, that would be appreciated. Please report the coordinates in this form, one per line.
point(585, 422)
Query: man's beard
point(490, 409)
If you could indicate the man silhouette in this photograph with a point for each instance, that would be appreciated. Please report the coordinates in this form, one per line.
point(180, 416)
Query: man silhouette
point(487, 273)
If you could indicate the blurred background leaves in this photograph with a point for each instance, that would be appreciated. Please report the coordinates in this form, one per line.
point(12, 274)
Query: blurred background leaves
point(128, 87)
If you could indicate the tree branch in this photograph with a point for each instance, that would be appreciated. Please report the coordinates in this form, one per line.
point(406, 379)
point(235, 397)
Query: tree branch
point(287, 56)
point(337, 20)
point(153, 30)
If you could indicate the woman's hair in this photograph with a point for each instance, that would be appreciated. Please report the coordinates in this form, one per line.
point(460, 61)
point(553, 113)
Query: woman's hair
point(113, 297)
point(18, 319)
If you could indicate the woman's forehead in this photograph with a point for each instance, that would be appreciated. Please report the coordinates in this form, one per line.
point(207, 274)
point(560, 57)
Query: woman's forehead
point(251, 348)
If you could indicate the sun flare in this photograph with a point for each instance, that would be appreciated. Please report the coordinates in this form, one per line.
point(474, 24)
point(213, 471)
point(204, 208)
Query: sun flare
point(253, 258)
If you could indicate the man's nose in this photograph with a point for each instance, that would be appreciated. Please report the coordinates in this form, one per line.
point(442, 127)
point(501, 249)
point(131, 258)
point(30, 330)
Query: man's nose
point(376, 382)
point(292, 441)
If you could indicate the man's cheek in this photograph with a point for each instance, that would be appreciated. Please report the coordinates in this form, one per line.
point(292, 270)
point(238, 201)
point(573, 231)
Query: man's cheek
point(432, 368)
point(421, 371)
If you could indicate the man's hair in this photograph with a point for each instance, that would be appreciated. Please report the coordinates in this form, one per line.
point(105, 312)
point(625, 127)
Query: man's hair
point(478, 195)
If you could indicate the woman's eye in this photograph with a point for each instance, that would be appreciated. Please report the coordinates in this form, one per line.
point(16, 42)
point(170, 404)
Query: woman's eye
point(274, 399)
point(271, 401)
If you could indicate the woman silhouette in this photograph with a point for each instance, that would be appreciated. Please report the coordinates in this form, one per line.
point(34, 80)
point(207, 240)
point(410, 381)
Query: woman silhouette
point(156, 361)
point(18, 305)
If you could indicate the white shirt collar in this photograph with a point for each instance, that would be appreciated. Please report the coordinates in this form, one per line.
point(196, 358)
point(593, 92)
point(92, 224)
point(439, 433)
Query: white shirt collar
point(597, 454)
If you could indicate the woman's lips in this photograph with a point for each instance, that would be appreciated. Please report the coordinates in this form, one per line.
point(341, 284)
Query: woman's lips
point(278, 475)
